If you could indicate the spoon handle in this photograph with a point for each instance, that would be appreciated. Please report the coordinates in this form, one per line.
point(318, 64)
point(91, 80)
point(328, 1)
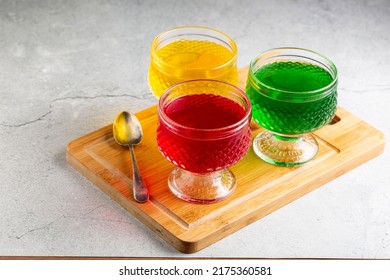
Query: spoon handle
point(140, 192)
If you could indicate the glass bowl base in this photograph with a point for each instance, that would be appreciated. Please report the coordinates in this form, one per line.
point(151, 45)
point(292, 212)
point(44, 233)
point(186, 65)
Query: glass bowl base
point(202, 188)
point(285, 150)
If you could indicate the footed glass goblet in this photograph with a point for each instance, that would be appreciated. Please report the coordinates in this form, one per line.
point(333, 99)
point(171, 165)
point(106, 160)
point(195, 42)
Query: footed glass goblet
point(293, 92)
point(189, 53)
point(203, 129)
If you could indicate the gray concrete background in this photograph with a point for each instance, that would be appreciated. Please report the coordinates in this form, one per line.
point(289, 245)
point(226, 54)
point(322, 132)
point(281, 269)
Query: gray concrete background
point(67, 68)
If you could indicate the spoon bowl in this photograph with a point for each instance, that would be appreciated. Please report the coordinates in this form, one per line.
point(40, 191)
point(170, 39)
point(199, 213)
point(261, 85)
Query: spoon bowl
point(128, 132)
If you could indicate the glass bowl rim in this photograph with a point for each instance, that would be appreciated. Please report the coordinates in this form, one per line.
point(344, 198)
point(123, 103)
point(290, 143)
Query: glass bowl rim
point(218, 132)
point(156, 59)
point(308, 94)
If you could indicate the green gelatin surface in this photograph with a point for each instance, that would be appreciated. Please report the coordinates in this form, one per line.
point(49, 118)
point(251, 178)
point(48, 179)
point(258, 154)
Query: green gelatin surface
point(288, 99)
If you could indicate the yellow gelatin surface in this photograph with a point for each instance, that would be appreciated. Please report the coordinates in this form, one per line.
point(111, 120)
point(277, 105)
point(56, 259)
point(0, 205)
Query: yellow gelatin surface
point(184, 60)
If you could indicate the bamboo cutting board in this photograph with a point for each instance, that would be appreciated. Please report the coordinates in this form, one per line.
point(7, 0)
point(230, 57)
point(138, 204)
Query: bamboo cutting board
point(261, 188)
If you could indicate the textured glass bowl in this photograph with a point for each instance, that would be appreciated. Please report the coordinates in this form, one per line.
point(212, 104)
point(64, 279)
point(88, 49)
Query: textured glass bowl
point(289, 115)
point(168, 68)
point(202, 155)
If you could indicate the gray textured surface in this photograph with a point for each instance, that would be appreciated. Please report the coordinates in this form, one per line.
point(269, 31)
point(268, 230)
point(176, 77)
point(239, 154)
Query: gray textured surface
point(67, 68)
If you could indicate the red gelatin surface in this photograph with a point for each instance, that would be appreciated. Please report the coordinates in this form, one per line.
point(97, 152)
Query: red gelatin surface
point(192, 138)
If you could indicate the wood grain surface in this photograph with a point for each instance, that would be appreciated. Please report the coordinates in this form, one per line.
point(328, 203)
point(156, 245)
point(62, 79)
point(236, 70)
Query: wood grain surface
point(261, 188)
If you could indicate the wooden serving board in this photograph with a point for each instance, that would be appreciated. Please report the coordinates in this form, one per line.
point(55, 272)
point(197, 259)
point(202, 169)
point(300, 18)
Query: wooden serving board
point(261, 187)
